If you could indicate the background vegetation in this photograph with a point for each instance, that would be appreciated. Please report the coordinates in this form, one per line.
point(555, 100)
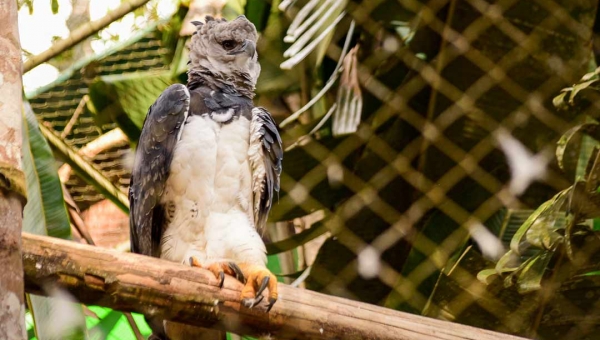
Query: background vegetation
point(439, 159)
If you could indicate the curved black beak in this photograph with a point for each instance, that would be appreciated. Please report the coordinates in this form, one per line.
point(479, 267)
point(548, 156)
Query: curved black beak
point(248, 47)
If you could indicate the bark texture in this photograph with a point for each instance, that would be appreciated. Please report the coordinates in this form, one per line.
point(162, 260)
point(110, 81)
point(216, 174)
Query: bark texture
point(12, 180)
point(131, 282)
point(12, 304)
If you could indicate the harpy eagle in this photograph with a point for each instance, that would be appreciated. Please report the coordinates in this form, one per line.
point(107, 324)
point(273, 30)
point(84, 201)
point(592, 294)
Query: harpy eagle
point(208, 163)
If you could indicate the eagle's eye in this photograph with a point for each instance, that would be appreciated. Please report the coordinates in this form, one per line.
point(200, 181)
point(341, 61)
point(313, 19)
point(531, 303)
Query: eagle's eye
point(228, 44)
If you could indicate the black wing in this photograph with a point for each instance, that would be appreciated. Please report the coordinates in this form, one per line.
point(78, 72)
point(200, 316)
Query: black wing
point(161, 130)
point(266, 154)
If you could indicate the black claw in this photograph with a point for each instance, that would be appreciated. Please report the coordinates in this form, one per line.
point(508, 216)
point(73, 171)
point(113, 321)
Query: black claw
point(221, 278)
point(239, 275)
point(271, 303)
point(191, 261)
point(257, 300)
point(263, 285)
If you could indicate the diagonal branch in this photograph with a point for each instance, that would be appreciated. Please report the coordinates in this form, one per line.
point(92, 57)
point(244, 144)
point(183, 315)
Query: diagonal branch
point(86, 170)
point(75, 116)
point(82, 33)
point(130, 282)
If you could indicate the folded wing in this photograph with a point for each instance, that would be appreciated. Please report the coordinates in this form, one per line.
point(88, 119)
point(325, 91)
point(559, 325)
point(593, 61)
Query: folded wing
point(266, 154)
point(161, 131)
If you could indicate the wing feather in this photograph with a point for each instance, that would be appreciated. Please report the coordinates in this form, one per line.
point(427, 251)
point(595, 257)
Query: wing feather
point(161, 131)
point(266, 155)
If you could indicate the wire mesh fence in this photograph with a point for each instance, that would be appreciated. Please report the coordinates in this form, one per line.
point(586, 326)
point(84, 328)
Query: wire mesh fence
point(422, 166)
point(455, 148)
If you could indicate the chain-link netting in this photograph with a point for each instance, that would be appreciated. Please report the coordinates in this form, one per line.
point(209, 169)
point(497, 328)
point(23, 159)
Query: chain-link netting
point(425, 202)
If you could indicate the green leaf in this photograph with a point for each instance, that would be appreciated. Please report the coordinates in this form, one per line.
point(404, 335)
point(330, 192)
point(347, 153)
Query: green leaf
point(54, 4)
point(559, 101)
point(30, 326)
point(28, 3)
point(274, 266)
point(531, 274)
point(508, 262)
point(591, 75)
point(543, 232)
point(545, 216)
point(592, 273)
point(487, 276)
point(565, 149)
point(580, 87)
point(45, 214)
point(112, 325)
point(592, 173)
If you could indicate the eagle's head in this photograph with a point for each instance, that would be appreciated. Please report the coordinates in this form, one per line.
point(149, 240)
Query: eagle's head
point(226, 48)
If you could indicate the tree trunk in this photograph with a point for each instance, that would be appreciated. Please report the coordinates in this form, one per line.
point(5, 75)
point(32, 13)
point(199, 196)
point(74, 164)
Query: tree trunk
point(158, 288)
point(12, 180)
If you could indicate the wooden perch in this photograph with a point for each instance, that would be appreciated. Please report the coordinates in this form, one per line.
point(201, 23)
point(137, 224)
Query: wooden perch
point(131, 282)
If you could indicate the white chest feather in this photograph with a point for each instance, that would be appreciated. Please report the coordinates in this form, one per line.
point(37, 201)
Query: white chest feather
point(209, 192)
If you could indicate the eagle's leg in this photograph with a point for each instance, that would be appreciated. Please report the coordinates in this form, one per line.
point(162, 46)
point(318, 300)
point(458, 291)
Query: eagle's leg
point(258, 278)
point(255, 278)
point(219, 269)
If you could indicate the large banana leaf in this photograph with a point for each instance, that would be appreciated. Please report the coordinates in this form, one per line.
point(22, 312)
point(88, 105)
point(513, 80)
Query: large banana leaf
point(45, 214)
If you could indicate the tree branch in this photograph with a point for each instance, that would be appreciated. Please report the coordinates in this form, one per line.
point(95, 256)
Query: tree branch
point(82, 33)
point(131, 282)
